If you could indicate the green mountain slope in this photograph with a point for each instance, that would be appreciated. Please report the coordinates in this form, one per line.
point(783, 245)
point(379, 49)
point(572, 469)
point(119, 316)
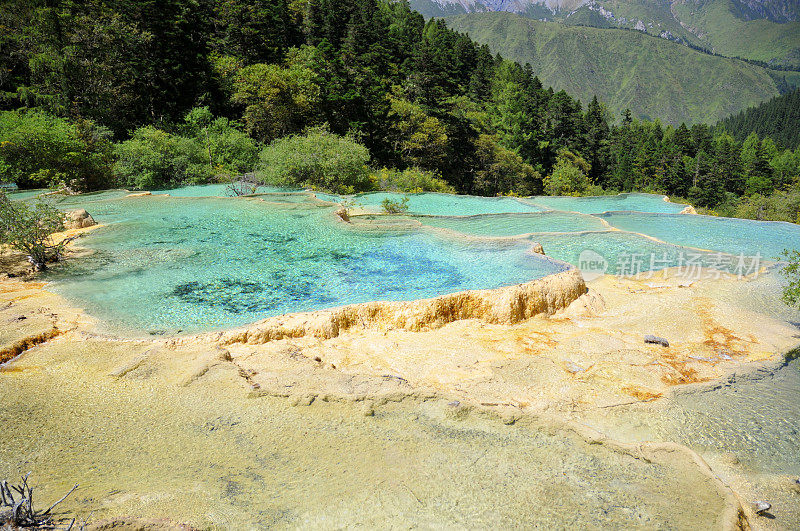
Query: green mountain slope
point(653, 77)
point(761, 30)
point(722, 26)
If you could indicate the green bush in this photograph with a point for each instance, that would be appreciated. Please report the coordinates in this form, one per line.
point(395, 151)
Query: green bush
point(39, 151)
point(317, 159)
point(209, 149)
point(228, 149)
point(568, 176)
point(411, 180)
point(153, 158)
point(28, 229)
point(791, 292)
point(391, 206)
point(778, 206)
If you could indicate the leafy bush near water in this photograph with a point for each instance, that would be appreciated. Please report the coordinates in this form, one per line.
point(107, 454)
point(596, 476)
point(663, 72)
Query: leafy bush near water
point(391, 206)
point(210, 149)
point(410, 180)
point(153, 158)
point(791, 292)
point(38, 150)
point(28, 229)
point(317, 159)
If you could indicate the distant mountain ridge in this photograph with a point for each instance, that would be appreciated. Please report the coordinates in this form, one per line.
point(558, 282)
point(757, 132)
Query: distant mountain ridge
point(761, 30)
point(624, 69)
point(780, 11)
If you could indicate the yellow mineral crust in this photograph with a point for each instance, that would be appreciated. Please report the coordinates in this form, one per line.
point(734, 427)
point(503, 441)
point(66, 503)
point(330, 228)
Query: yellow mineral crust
point(505, 305)
point(210, 429)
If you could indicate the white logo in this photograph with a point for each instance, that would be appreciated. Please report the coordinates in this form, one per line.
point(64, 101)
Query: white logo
point(592, 264)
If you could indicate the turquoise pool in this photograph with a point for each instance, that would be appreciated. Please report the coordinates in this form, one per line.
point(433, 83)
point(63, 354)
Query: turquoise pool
point(502, 225)
point(733, 236)
point(165, 264)
point(434, 204)
point(192, 261)
point(20, 195)
point(608, 203)
point(213, 190)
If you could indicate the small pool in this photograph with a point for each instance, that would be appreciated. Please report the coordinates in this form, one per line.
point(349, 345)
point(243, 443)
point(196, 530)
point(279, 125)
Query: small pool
point(501, 225)
point(435, 204)
point(214, 190)
point(21, 195)
point(727, 235)
point(608, 203)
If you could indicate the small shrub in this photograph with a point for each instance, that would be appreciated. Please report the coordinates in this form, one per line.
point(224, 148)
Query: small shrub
point(391, 206)
point(349, 204)
point(29, 229)
point(791, 292)
point(411, 180)
point(245, 185)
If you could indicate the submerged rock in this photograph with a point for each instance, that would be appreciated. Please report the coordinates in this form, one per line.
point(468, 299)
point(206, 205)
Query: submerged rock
point(537, 248)
point(761, 507)
point(655, 340)
point(79, 219)
point(342, 214)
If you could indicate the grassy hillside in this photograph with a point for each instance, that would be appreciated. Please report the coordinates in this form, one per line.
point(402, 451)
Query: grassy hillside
point(655, 16)
point(728, 34)
point(721, 26)
point(653, 77)
point(733, 28)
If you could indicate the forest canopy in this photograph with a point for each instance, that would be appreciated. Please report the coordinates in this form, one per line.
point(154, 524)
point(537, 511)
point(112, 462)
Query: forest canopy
point(148, 94)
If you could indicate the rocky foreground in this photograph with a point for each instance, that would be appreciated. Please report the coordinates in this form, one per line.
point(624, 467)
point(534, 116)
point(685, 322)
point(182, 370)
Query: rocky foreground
point(468, 410)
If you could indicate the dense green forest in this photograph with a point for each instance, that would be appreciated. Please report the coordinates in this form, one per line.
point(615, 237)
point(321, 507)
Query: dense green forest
point(344, 96)
point(778, 118)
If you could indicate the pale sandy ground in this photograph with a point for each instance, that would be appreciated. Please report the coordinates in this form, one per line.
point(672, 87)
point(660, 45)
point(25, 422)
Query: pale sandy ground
point(471, 424)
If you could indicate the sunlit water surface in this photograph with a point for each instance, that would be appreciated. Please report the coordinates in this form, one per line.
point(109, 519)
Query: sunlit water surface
point(190, 260)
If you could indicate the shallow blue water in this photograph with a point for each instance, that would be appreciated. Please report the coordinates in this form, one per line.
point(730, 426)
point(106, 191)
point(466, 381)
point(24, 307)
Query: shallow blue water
point(434, 204)
point(212, 190)
point(624, 253)
point(732, 236)
point(190, 261)
point(501, 225)
point(199, 264)
point(21, 195)
point(608, 203)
